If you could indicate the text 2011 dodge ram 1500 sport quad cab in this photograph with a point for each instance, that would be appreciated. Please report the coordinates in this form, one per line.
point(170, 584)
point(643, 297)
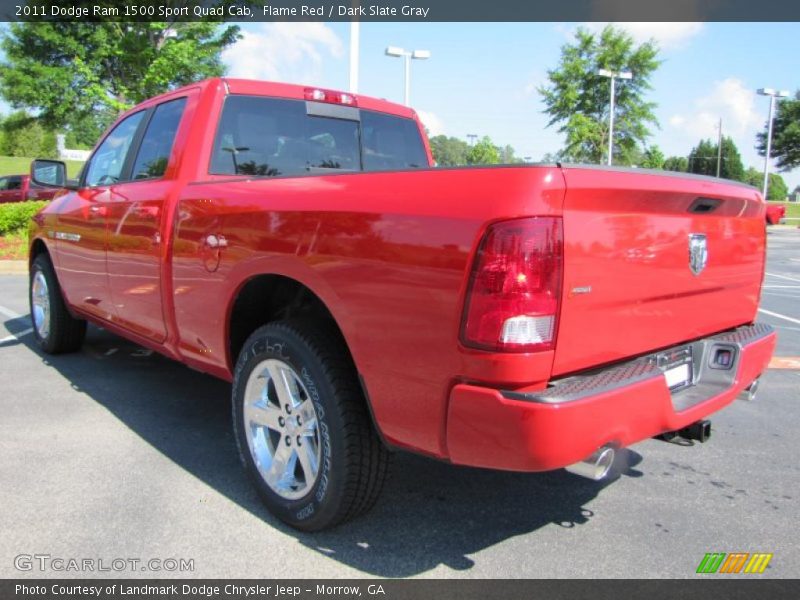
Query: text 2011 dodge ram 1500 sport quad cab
point(297, 242)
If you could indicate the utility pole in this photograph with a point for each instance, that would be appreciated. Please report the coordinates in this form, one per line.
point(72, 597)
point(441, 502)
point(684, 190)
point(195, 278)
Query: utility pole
point(772, 95)
point(407, 57)
point(719, 147)
point(354, 43)
point(613, 75)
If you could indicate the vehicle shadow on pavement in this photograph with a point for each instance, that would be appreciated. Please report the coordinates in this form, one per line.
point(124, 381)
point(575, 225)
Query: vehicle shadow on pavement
point(430, 513)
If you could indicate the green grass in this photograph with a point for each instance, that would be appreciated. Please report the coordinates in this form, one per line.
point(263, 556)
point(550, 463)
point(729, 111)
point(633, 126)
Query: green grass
point(14, 165)
point(792, 209)
point(14, 246)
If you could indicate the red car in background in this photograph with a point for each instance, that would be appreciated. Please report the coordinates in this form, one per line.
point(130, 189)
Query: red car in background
point(19, 188)
point(775, 212)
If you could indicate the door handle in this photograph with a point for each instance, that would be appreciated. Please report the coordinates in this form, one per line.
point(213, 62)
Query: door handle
point(216, 241)
point(146, 211)
point(99, 210)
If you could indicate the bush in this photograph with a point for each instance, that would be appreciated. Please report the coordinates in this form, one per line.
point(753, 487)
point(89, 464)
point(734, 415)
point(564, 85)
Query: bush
point(14, 216)
point(23, 135)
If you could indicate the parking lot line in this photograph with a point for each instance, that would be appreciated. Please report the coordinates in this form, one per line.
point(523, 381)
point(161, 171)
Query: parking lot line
point(9, 313)
point(784, 277)
point(13, 315)
point(16, 336)
point(778, 316)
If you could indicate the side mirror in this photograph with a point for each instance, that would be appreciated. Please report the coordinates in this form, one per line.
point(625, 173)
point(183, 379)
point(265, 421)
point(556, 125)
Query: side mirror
point(50, 173)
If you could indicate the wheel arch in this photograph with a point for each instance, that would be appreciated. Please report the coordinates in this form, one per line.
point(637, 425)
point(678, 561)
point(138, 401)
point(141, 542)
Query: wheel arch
point(269, 297)
point(38, 246)
point(266, 297)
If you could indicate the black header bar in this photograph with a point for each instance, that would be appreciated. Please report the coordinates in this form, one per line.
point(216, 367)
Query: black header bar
point(401, 10)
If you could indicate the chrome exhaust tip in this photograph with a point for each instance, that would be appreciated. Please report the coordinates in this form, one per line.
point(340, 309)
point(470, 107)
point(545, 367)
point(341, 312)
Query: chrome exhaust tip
point(750, 392)
point(596, 466)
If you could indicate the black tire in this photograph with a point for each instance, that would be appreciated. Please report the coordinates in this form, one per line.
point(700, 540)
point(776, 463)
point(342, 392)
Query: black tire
point(65, 333)
point(353, 461)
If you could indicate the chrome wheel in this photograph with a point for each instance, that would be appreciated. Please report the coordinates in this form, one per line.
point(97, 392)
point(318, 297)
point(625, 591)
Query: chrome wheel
point(40, 304)
point(282, 429)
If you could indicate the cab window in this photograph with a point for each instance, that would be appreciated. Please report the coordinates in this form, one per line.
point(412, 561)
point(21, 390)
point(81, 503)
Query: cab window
point(151, 161)
point(105, 167)
point(391, 142)
point(271, 137)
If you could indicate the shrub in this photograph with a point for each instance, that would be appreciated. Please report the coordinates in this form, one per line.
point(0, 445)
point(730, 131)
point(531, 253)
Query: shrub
point(23, 135)
point(14, 216)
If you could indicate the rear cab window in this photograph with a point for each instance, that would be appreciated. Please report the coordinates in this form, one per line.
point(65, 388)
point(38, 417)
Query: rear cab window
point(271, 137)
point(391, 142)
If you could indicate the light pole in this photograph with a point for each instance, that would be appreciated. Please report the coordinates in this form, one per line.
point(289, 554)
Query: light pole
point(613, 75)
point(472, 137)
point(772, 95)
point(408, 56)
point(355, 27)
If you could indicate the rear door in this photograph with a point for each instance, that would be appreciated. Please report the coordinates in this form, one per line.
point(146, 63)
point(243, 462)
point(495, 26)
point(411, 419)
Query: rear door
point(135, 221)
point(651, 261)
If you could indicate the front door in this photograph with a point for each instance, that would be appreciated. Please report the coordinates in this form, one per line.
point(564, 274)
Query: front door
point(81, 230)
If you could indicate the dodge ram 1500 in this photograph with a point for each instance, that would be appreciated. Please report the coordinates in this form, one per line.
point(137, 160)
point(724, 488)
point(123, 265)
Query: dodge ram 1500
point(299, 243)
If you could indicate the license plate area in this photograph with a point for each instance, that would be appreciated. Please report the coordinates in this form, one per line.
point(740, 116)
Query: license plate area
point(677, 365)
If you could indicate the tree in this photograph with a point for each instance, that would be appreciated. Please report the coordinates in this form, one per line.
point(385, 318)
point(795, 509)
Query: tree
point(785, 135)
point(82, 133)
point(777, 189)
point(483, 153)
point(703, 160)
point(449, 151)
point(753, 177)
point(70, 71)
point(653, 158)
point(507, 155)
point(23, 135)
point(577, 97)
point(676, 163)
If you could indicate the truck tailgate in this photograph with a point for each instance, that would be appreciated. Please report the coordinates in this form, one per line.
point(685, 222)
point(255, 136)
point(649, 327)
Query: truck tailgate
point(651, 261)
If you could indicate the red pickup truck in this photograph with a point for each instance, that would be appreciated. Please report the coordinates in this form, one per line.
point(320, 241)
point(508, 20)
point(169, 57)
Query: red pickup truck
point(18, 188)
point(298, 243)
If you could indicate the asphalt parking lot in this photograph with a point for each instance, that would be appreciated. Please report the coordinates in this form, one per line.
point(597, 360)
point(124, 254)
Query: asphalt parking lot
point(118, 453)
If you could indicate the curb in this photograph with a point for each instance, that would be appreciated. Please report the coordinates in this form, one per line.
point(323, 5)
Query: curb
point(13, 267)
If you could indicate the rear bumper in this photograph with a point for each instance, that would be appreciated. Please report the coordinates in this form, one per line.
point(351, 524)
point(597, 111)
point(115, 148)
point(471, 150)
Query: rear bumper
point(618, 405)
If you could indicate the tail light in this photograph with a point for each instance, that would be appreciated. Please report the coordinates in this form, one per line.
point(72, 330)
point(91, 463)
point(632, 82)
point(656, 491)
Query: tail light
point(515, 286)
point(331, 97)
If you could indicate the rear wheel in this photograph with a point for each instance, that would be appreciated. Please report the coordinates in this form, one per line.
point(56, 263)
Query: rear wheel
point(302, 427)
point(55, 329)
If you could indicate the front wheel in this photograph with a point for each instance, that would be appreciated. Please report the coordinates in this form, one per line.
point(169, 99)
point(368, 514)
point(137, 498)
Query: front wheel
point(55, 329)
point(303, 429)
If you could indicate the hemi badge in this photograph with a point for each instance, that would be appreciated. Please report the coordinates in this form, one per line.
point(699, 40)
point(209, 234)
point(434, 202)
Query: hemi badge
point(68, 237)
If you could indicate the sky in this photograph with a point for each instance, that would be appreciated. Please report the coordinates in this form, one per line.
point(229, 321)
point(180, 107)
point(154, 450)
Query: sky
point(482, 77)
